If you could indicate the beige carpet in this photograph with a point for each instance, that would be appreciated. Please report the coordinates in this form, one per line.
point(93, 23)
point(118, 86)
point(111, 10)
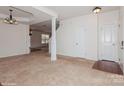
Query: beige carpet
point(36, 69)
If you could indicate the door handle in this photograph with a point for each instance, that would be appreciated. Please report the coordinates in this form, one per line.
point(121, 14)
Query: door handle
point(76, 43)
point(122, 44)
point(113, 44)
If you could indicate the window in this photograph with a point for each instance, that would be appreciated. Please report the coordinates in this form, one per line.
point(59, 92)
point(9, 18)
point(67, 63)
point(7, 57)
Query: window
point(44, 38)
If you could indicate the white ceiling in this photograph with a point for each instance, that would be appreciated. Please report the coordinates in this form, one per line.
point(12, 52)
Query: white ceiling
point(65, 12)
point(24, 14)
point(35, 16)
point(42, 26)
point(39, 18)
point(16, 12)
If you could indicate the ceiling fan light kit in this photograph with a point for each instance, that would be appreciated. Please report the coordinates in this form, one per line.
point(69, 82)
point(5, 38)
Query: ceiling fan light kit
point(10, 19)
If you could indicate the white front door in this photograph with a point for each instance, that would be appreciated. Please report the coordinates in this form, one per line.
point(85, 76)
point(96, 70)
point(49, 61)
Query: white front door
point(108, 42)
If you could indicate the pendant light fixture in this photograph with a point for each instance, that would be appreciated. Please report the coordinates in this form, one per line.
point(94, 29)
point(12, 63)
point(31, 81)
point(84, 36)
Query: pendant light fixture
point(10, 19)
point(97, 10)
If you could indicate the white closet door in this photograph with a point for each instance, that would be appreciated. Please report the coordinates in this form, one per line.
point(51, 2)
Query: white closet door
point(79, 42)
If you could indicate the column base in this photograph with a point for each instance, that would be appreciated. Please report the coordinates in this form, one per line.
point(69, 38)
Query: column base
point(53, 61)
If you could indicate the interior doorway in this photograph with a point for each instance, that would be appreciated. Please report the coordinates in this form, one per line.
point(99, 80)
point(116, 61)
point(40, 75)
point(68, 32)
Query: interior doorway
point(39, 41)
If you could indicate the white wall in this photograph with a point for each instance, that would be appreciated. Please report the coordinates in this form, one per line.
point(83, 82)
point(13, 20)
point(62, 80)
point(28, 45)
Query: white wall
point(122, 35)
point(36, 39)
point(14, 39)
point(123, 40)
point(66, 36)
point(68, 28)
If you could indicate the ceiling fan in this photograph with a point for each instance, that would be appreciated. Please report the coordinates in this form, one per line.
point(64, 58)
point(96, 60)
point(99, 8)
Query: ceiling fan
point(15, 20)
point(10, 19)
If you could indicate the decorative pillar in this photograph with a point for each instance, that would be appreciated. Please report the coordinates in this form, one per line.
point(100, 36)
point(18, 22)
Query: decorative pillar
point(53, 40)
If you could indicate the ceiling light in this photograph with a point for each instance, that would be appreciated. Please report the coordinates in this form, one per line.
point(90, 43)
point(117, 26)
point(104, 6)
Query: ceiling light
point(10, 19)
point(97, 10)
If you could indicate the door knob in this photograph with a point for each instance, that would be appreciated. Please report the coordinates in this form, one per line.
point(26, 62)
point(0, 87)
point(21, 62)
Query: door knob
point(113, 44)
point(122, 44)
point(76, 43)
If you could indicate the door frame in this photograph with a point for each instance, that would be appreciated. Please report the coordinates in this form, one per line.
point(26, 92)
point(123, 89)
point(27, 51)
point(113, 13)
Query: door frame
point(117, 42)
